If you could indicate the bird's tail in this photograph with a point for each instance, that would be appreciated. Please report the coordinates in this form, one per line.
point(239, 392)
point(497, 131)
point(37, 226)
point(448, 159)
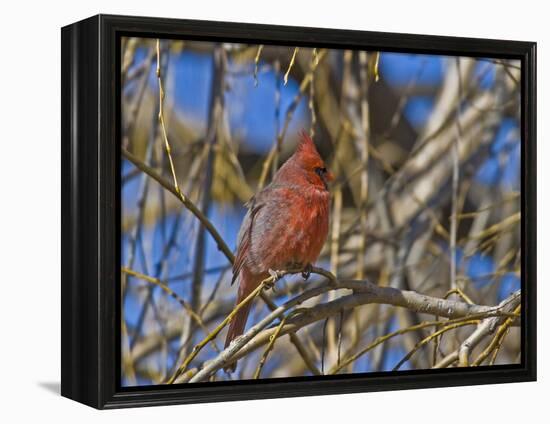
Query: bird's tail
point(238, 323)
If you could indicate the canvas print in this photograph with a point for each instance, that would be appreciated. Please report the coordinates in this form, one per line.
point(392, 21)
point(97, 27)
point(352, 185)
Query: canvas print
point(292, 211)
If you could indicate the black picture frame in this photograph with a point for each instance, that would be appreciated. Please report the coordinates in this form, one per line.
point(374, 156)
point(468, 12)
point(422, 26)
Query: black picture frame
point(91, 209)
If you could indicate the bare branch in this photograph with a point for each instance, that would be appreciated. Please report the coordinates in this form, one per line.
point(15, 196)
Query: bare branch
point(364, 293)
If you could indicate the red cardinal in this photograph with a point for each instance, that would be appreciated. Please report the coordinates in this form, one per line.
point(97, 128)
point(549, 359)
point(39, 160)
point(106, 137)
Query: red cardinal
point(285, 227)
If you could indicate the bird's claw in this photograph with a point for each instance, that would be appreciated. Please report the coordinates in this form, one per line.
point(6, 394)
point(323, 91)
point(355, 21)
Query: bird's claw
point(306, 272)
point(275, 276)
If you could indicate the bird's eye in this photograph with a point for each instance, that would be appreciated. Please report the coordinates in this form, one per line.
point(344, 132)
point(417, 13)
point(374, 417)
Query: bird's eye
point(320, 171)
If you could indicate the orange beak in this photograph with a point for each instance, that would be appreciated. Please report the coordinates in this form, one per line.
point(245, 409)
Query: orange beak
point(329, 176)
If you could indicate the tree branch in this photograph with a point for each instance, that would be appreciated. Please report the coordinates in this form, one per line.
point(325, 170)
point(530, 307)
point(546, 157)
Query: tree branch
point(364, 293)
point(222, 246)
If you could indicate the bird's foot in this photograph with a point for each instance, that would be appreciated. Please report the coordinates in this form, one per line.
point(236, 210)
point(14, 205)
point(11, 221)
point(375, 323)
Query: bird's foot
point(306, 272)
point(275, 276)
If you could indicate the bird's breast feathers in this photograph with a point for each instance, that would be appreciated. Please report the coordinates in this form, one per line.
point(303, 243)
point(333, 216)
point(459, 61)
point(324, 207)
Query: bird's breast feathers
point(284, 225)
point(300, 229)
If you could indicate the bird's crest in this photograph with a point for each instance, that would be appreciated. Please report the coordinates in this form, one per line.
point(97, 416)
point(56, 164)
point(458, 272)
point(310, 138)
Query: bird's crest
point(306, 143)
point(306, 146)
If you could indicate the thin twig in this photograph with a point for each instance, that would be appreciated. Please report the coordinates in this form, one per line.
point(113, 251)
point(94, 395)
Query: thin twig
point(268, 349)
point(212, 335)
point(496, 342)
point(256, 63)
point(271, 158)
point(222, 246)
point(173, 295)
point(293, 58)
point(454, 183)
point(162, 123)
point(426, 340)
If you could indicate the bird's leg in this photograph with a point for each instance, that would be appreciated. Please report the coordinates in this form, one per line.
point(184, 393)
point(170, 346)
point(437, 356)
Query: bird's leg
point(306, 272)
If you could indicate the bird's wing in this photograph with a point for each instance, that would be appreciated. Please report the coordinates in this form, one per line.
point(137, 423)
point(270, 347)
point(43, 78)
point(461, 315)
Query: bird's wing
point(243, 239)
point(266, 219)
point(271, 228)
